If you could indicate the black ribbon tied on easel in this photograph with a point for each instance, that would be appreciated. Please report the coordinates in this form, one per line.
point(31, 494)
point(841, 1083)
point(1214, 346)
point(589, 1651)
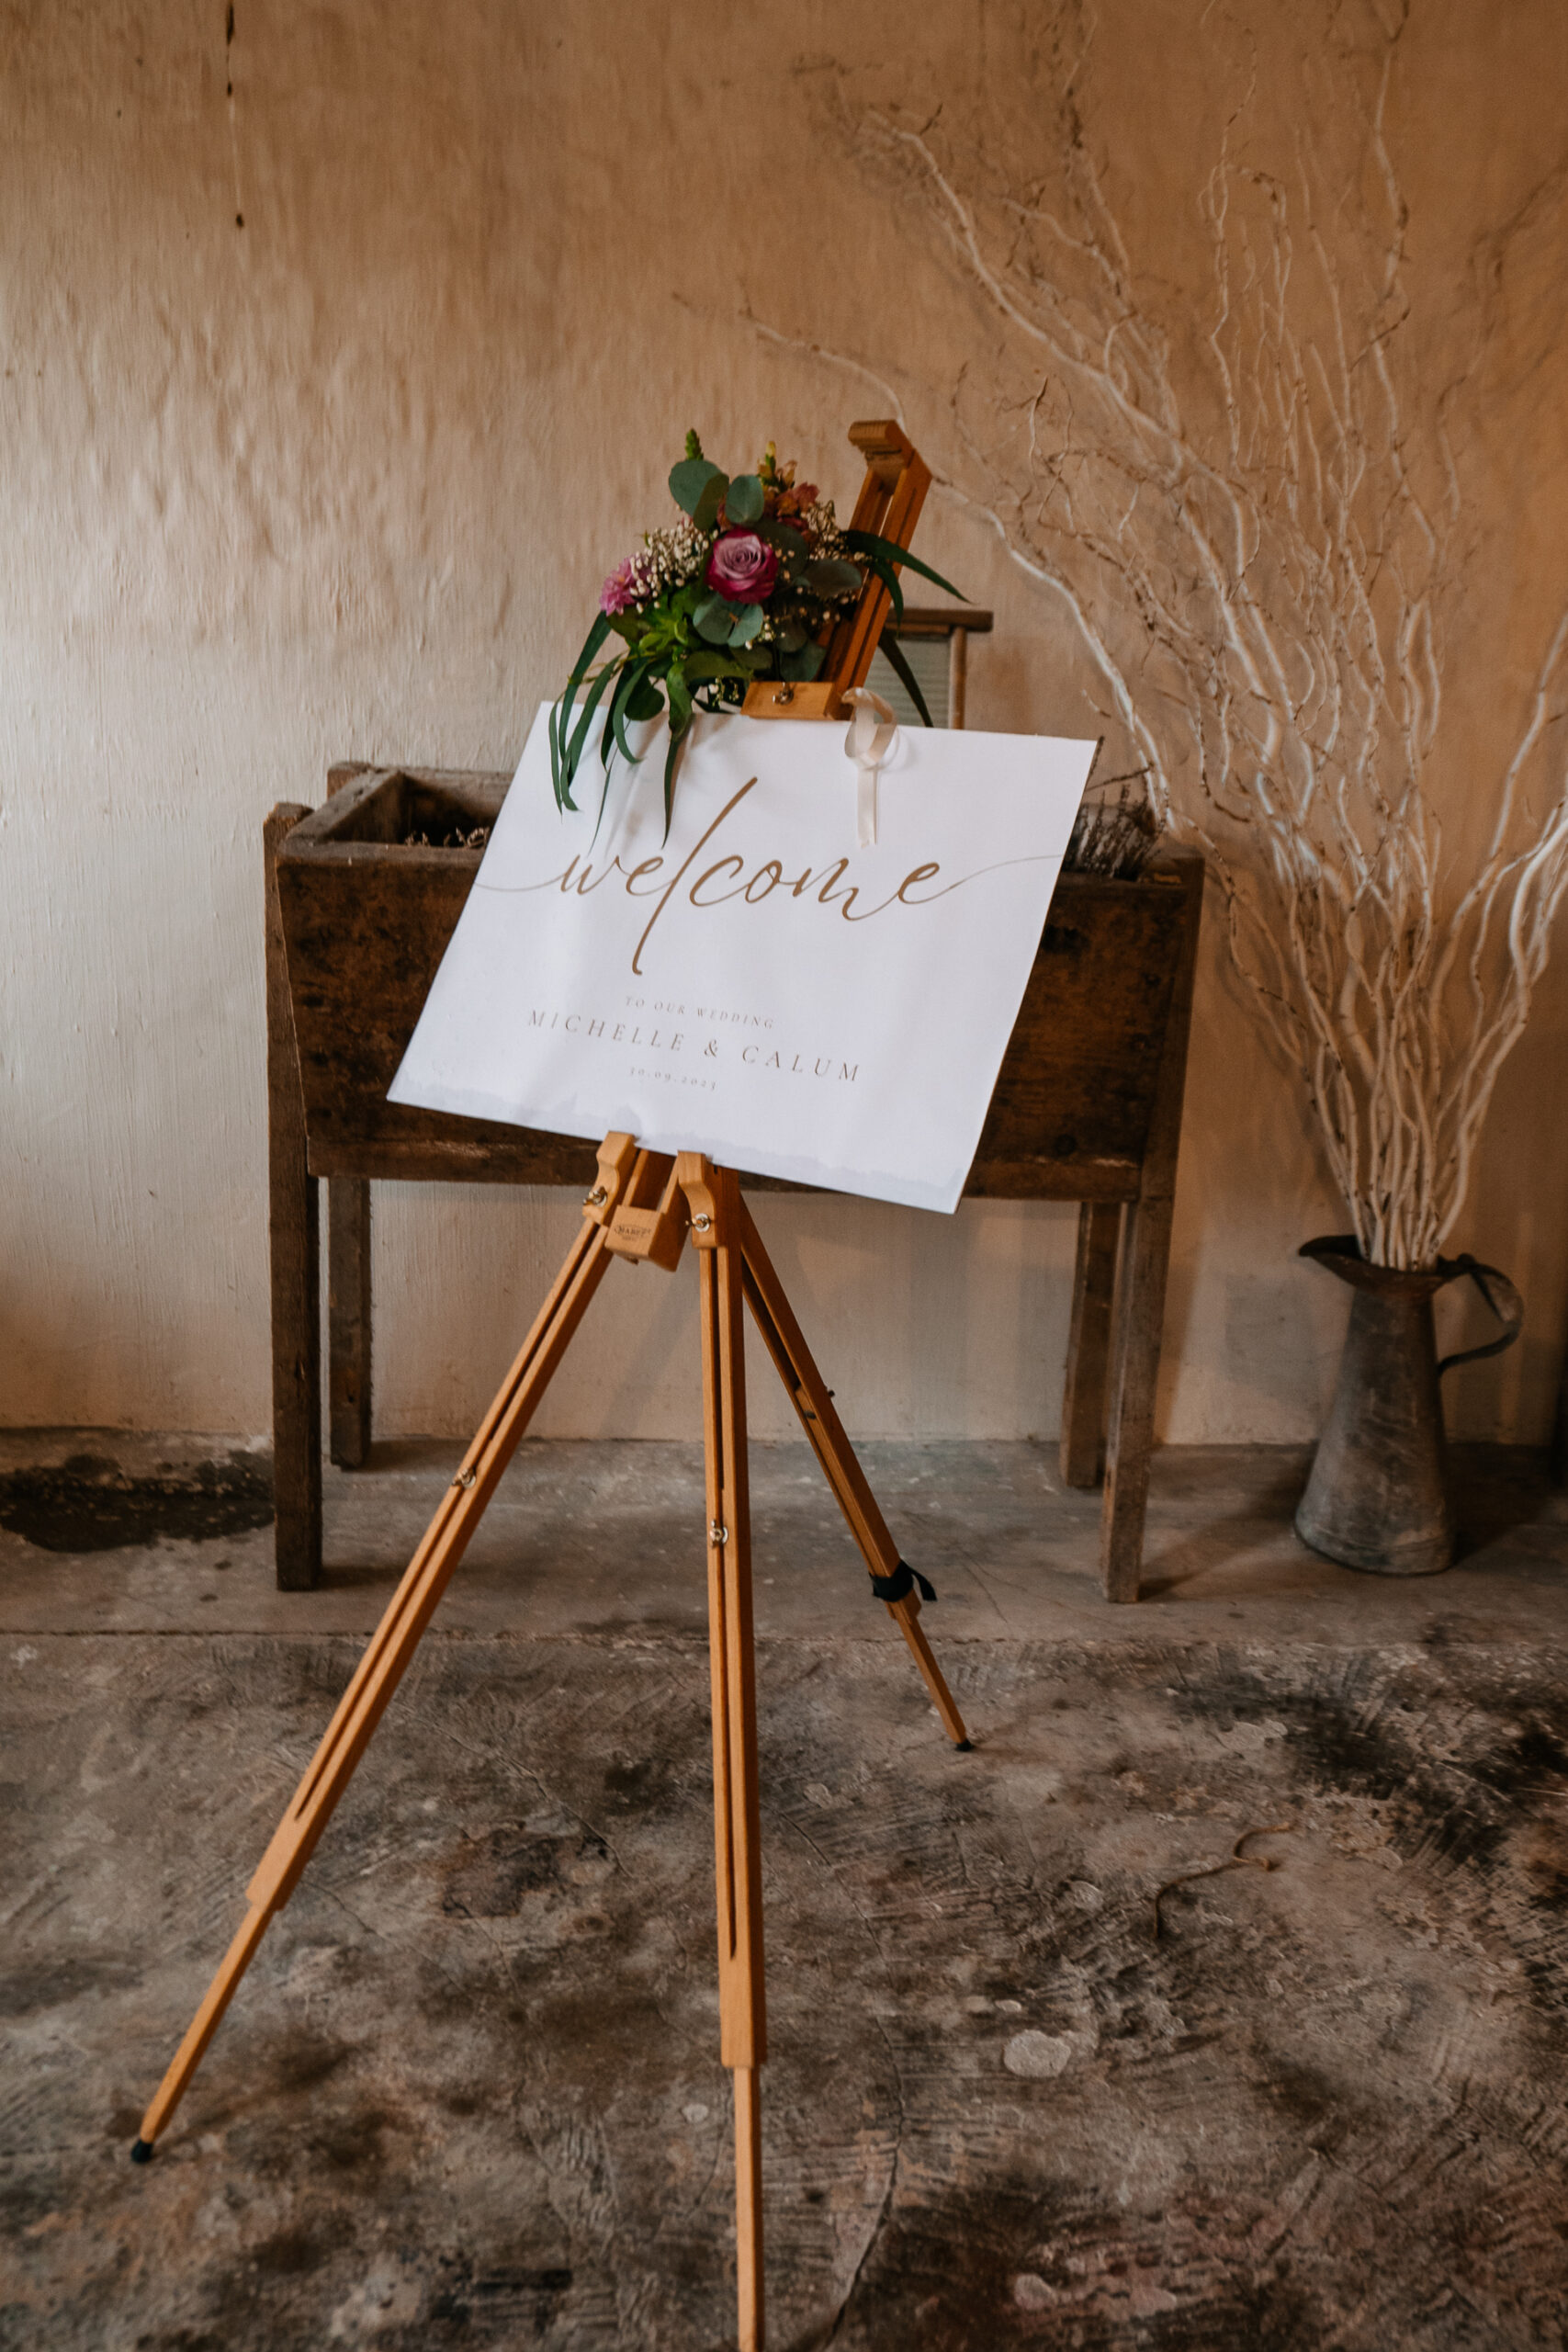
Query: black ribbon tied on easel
point(901, 1583)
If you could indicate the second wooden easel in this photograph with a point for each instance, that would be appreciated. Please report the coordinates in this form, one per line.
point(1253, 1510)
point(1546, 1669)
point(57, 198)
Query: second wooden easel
point(643, 1206)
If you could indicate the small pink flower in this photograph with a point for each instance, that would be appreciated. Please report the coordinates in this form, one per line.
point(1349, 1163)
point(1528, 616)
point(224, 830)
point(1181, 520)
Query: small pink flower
point(620, 590)
point(742, 567)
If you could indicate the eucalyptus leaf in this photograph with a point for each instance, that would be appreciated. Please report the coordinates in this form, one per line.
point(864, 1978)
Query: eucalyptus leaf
point(705, 515)
point(700, 667)
point(715, 618)
point(831, 576)
point(645, 701)
point(803, 664)
point(743, 500)
point(792, 635)
point(689, 480)
point(748, 622)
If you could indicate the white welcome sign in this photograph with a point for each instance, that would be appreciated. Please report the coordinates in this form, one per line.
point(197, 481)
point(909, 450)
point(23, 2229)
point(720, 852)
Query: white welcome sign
point(757, 987)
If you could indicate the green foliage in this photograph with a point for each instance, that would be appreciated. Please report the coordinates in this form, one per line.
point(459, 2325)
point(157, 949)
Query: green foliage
point(743, 500)
point(714, 618)
point(803, 663)
point(705, 515)
point(689, 480)
point(905, 676)
point(681, 648)
point(880, 555)
point(831, 576)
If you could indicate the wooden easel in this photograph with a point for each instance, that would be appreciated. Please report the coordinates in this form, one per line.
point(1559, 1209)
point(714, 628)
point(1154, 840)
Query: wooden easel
point(642, 1208)
point(893, 491)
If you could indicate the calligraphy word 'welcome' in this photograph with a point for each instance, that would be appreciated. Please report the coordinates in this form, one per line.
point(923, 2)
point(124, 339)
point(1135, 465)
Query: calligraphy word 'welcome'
point(708, 889)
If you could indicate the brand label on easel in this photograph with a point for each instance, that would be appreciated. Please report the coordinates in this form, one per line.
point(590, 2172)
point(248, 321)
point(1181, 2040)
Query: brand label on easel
point(757, 987)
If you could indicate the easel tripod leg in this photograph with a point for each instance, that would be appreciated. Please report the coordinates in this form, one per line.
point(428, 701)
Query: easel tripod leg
point(626, 1174)
point(809, 1394)
point(714, 1198)
point(748, 2082)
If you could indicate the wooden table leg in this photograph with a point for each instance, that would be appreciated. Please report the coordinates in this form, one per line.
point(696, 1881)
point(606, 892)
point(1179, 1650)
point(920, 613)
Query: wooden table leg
point(1145, 1252)
point(295, 1261)
point(1140, 1285)
point(1088, 1344)
point(348, 1320)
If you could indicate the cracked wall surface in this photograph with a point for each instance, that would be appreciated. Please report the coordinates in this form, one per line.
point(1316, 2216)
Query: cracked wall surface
point(344, 351)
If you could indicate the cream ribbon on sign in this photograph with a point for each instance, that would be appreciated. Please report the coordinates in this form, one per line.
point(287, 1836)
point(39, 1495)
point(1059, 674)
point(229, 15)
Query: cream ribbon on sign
point(868, 744)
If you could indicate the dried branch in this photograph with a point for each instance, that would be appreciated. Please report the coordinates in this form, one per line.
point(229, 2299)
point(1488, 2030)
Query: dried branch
point(1255, 547)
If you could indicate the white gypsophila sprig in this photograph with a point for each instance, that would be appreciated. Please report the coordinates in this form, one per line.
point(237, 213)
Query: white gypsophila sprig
point(667, 559)
point(823, 533)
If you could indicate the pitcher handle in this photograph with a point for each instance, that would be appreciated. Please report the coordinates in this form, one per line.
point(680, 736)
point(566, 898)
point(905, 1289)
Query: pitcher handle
point(1501, 1296)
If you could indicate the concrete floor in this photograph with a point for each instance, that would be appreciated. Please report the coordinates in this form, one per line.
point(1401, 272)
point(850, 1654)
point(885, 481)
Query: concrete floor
point(469, 2094)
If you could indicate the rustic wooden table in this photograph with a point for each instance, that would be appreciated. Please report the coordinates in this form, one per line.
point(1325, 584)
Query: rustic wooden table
point(1086, 1108)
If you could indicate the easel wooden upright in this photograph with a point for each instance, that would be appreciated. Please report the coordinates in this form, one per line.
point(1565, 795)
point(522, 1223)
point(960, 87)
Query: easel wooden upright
point(643, 1206)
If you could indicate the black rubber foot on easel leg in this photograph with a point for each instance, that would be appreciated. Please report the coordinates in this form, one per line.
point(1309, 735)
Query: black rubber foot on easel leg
point(963, 1746)
point(141, 2151)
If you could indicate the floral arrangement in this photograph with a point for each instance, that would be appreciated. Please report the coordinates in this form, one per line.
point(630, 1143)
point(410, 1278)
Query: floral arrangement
point(747, 584)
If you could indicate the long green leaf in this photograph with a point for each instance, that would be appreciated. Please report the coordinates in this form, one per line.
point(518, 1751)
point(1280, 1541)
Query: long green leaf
point(561, 770)
point(636, 673)
point(872, 543)
point(677, 737)
point(607, 732)
point(634, 687)
point(883, 570)
point(585, 716)
point(905, 676)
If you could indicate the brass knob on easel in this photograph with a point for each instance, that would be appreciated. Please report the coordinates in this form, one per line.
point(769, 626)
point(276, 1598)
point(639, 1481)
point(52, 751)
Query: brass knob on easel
point(717, 1531)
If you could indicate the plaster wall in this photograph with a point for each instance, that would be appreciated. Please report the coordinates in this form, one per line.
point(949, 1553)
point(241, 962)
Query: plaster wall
point(345, 348)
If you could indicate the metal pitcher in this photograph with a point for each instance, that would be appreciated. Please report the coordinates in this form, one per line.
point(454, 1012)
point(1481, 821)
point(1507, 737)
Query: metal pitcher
point(1378, 1496)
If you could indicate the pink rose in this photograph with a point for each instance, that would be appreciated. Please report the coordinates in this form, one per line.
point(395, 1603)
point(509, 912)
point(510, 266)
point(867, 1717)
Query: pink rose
point(742, 567)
